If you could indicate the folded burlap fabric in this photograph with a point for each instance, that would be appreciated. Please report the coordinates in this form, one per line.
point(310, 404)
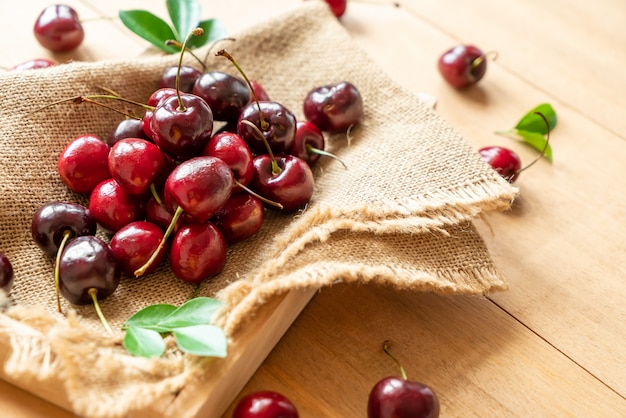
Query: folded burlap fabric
point(400, 214)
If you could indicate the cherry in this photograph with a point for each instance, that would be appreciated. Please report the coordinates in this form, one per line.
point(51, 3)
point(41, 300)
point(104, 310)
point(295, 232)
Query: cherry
point(334, 107)
point(309, 143)
point(159, 95)
point(275, 121)
point(265, 404)
point(6, 273)
point(240, 218)
point(188, 77)
point(505, 161)
point(462, 65)
point(259, 91)
point(337, 7)
point(286, 179)
point(58, 28)
point(113, 208)
point(134, 244)
point(136, 164)
point(198, 252)
point(126, 128)
point(84, 163)
point(34, 64)
point(157, 213)
point(233, 150)
point(225, 94)
point(395, 397)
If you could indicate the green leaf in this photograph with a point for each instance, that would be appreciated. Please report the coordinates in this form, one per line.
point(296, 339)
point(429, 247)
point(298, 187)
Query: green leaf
point(213, 30)
point(185, 15)
point(143, 342)
point(536, 140)
point(531, 122)
point(201, 340)
point(150, 27)
point(196, 311)
point(150, 317)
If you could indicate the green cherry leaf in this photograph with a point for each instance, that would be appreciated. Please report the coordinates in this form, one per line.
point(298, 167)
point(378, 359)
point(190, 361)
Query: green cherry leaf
point(185, 15)
point(213, 30)
point(196, 311)
point(201, 340)
point(150, 27)
point(143, 342)
point(535, 140)
point(531, 122)
point(150, 317)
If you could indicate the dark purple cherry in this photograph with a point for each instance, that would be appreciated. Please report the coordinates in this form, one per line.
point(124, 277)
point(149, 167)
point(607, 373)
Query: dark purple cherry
point(277, 124)
point(505, 161)
point(84, 163)
point(265, 404)
point(395, 397)
point(462, 65)
point(136, 164)
point(135, 243)
point(225, 94)
point(334, 107)
point(34, 64)
point(287, 180)
point(6, 273)
point(114, 208)
point(126, 128)
point(58, 28)
point(52, 221)
point(182, 125)
point(88, 263)
point(240, 218)
point(188, 77)
point(233, 150)
point(198, 252)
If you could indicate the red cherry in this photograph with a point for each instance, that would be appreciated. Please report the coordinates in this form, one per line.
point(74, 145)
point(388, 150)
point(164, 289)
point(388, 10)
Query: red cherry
point(134, 244)
point(240, 218)
point(198, 252)
point(233, 150)
point(308, 138)
point(259, 91)
point(277, 125)
point(113, 208)
point(505, 161)
point(136, 164)
point(84, 163)
point(395, 397)
point(338, 7)
point(462, 65)
point(334, 107)
point(58, 28)
point(34, 64)
point(265, 404)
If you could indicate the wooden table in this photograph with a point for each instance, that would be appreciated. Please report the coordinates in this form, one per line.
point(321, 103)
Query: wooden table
point(555, 343)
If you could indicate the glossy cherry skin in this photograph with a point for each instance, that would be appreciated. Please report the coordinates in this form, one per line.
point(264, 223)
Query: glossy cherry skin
point(394, 397)
point(308, 136)
point(182, 133)
point(224, 93)
point(199, 186)
point(198, 252)
point(113, 208)
point(134, 244)
point(337, 7)
point(265, 404)
point(292, 187)
point(240, 218)
point(505, 161)
point(188, 77)
point(87, 262)
point(462, 66)
point(84, 163)
point(334, 107)
point(6, 273)
point(51, 221)
point(34, 64)
point(58, 28)
point(233, 150)
point(259, 91)
point(126, 128)
point(279, 132)
point(136, 164)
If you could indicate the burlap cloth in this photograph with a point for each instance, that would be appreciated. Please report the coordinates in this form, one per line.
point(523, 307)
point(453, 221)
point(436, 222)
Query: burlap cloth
point(400, 215)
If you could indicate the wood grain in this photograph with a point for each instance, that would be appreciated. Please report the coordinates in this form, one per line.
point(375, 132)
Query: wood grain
point(553, 345)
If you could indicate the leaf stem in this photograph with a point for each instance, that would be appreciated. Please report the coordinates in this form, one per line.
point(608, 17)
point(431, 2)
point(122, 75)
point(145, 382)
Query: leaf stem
point(545, 146)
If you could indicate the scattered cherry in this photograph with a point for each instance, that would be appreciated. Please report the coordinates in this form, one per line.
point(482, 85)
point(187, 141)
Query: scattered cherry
point(337, 7)
point(462, 65)
point(58, 28)
point(334, 107)
point(6, 273)
point(84, 163)
point(34, 64)
point(505, 161)
point(265, 404)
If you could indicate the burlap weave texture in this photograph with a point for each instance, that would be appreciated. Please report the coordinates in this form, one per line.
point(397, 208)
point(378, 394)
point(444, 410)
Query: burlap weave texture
point(400, 214)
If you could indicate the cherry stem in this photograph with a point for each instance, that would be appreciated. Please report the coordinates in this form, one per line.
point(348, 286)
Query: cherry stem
point(155, 194)
point(183, 48)
point(208, 52)
point(93, 292)
point(255, 194)
point(386, 350)
point(174, 42)
point(67, 235)
point(483, 57)
point(545, 146)
point(312, 150)
point(170, 228)
point(224, 53)
point(259, 135)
